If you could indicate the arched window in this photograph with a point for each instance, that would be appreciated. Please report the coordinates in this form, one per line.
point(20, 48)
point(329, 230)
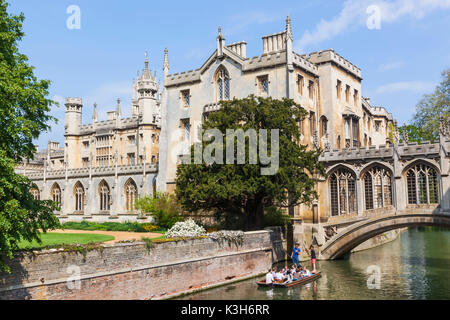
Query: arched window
point(79, 196)
point(56, 194)
point(223, 84)
point(423, 185)
point(130, 195)
point(105, 196)
point(343, 192)
point(35, 193)
point(378, 188)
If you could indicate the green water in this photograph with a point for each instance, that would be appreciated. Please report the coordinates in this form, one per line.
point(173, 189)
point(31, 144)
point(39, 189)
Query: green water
point(415, 266)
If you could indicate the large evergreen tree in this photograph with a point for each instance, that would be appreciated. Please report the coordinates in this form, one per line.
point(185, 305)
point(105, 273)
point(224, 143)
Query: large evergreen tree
point(240, 191)
point(24, 113)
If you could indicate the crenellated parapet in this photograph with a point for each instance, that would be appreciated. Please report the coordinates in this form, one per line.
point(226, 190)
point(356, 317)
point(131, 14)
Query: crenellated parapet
point(329, 55)
point(94, 172)
point(126, 123)
point(264, 61)
point(302, 62)
point(176, 79)
point(211, 107)
point(73, 103)
point(353, 154)
point(410, 150)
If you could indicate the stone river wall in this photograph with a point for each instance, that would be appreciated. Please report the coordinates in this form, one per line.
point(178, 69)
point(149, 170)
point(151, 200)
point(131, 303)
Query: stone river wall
point(135, 271)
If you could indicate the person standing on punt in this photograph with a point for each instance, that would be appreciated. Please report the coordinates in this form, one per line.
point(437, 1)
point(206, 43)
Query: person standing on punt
point(312, 254)
point(295, 253)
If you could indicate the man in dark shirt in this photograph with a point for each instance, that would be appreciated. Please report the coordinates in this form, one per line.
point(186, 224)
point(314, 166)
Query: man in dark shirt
point(312, 254)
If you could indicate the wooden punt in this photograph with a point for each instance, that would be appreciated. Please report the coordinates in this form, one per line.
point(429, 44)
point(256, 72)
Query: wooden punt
point(315, 276)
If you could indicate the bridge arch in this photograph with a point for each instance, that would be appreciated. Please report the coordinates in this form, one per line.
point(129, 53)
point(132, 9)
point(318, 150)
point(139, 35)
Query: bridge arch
point(349, 238)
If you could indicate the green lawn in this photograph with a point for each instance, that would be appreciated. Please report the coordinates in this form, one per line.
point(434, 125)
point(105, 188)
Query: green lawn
point(52, 239)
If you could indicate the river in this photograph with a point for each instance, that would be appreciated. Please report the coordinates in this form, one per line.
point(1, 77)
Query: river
point(414, 266)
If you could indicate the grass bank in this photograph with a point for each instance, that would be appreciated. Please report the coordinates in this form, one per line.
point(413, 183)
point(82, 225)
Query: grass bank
point(55, 239)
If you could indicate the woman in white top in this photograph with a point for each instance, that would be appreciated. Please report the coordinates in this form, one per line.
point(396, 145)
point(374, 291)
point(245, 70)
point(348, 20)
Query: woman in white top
point(269, 277)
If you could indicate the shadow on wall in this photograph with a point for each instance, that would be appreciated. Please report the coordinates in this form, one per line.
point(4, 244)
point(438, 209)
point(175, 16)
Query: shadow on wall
point(444, 206)
point(20, 275)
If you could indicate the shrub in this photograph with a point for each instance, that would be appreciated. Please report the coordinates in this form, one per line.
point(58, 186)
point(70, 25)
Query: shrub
point(185, 229)
point(149, 227)
point(236, 237)
point(164, 208)
point(111, 226)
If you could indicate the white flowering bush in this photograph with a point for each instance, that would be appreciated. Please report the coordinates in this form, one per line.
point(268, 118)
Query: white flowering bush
point(185, 229)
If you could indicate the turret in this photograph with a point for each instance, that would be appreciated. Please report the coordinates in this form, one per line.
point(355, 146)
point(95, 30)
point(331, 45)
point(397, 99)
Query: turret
point(166, 66)
point(289, 58)
point(95, 114)
point(147, 89)
point(220, 43)
point(74, 109)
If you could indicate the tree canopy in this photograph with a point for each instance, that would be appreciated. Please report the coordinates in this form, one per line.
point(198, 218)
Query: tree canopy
point(431, 109)
point(24, 113)
point(239, 191)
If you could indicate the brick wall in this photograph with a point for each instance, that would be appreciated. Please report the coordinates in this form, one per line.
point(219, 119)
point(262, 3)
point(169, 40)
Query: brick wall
point(132, 271)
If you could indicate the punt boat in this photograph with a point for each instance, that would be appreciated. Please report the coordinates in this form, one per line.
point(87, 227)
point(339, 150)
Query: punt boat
point(315, 276)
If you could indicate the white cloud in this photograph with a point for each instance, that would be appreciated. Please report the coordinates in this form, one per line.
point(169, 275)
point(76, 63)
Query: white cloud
point(412, 86)
point(354, 15)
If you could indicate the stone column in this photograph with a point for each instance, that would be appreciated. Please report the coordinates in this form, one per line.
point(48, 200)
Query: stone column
point(399, 194)
point(445, 200)
point(359, 196)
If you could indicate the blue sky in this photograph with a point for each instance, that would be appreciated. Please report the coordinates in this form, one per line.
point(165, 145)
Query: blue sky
point(400, 62)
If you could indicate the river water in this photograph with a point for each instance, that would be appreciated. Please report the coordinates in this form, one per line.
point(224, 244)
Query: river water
point(414, 266)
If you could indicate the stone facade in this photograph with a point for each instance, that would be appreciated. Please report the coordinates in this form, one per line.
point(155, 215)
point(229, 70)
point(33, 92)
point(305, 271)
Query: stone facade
point(370, 168)
point(104, 166)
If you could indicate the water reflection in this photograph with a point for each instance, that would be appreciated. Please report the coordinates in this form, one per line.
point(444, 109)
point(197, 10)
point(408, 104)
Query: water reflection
point(415, 266)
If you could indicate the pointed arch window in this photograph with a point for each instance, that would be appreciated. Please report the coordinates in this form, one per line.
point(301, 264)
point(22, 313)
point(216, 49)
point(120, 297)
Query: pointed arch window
point(35, 193)
point(343, 192)
point(423, 185)
point(377, 188)
point(105, 196)
point(79, 196)
point(130, 195)
point(56, 194)
point(223, 84)
point(323, 126)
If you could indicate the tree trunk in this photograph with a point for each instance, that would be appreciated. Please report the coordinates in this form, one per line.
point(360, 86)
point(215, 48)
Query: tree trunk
point(255, 214)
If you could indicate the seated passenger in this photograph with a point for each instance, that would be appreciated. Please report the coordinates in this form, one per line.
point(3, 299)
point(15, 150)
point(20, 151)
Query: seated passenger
point(288, 278)
point(293, 272)
point(306, 272)
point(269, 277)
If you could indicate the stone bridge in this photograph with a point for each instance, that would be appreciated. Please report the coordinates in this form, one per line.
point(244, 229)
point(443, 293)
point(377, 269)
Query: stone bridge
point(337, 240)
